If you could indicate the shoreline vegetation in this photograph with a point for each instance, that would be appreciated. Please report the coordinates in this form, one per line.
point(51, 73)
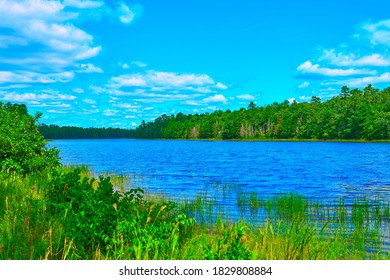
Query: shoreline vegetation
point(246, 140)
point(68, 214)
point(353, 115)
point(51, 211)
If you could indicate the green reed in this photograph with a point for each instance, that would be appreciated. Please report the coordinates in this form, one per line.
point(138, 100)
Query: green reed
point(73, 214)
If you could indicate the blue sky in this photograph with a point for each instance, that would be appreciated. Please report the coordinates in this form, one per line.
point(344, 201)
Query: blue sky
point(114, 63)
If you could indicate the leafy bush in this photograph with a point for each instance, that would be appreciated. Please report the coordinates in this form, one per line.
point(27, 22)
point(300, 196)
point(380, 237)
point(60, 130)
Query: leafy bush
point(117, 224)
point(22, 148)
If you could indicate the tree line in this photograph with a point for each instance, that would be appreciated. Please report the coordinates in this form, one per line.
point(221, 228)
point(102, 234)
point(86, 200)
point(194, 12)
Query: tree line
point(353, 114)
point(72, 132)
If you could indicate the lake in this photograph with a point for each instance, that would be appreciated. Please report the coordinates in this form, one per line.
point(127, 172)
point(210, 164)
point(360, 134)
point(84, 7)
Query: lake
point(318, 170)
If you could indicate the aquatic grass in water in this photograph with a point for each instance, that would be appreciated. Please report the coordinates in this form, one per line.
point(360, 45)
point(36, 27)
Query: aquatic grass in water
point(152, 226)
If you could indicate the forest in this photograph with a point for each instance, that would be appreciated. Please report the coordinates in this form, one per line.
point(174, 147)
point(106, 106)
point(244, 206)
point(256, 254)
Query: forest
point(352, 115)
point(53, 131)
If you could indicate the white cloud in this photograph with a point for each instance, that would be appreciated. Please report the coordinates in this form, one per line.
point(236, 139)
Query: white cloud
point(90, 111)
point(291, 100)
point(32, 77)
point(215, 98)
point(362, 60)
point(128, 81)
point(304, 85)
point(124, 65)
point(89, 68)
point(379, 32)
point(362, 82)
point(97, 89)
point(126, 106)
point(192, 103)
point(27, 97)
point(340, 59)
point(246, 97)
point(83, 4)
point(47, 28)
point(57, 111)
point(166, 81)
point(139, 64)
point(125, 14)
point(309, 68)
point(89, 101)
point(110, 113)
point(220, 86)
point(305, 98)
point(78, 90)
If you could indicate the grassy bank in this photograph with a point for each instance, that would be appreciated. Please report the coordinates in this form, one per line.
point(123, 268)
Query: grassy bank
point(68, 214)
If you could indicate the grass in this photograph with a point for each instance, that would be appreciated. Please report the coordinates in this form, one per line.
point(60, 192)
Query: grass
point(71, 215)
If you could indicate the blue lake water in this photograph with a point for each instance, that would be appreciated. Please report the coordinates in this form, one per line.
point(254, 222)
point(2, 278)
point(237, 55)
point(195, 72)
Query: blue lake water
point(318, 170)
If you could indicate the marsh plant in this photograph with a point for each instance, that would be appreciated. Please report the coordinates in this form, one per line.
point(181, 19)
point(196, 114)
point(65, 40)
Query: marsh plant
point(65, 214)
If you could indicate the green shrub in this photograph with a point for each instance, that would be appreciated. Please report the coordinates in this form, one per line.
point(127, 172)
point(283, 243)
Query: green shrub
point(115, 224)
point(22, 148)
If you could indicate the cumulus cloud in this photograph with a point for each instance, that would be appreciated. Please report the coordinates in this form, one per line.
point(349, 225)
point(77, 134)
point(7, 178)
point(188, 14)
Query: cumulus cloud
point(45, 29)
point(341, 59)
point(220, 86)
point(192, 103)
point(139, 64)
point(89, 101)
point(378, 32)
point(89, 68)
point(362, 82)
point(26, 97)
point(127, 14)
point(215, 98)
point(33, 77)
point(126, 106)
point(363, 59)
point(110, 113)
point(156, 80)
point(124, 65)
point(57, 111)
point(304, 85)
point(309, 68)
point(246, 97)
point(83, 4)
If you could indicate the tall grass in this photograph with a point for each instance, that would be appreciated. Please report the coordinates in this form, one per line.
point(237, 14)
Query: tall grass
point(72, 215)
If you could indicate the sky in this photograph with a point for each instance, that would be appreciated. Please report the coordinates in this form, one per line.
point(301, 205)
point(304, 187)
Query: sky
point(107, 63)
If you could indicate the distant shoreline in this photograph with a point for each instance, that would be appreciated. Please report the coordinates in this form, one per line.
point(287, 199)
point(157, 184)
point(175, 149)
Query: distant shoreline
point(237, 140)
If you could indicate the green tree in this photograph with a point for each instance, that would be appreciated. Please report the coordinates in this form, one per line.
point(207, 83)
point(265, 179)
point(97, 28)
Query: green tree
point(251, 105)
point(22, 148)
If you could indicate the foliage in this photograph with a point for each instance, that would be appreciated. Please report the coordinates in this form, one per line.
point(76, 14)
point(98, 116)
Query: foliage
point(64, 215)
point(71, 132)
point(95, 216)
point(22, 149)
point(354, 114)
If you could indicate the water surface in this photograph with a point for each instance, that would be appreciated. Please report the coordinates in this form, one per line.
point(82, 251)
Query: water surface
point(183, 168)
